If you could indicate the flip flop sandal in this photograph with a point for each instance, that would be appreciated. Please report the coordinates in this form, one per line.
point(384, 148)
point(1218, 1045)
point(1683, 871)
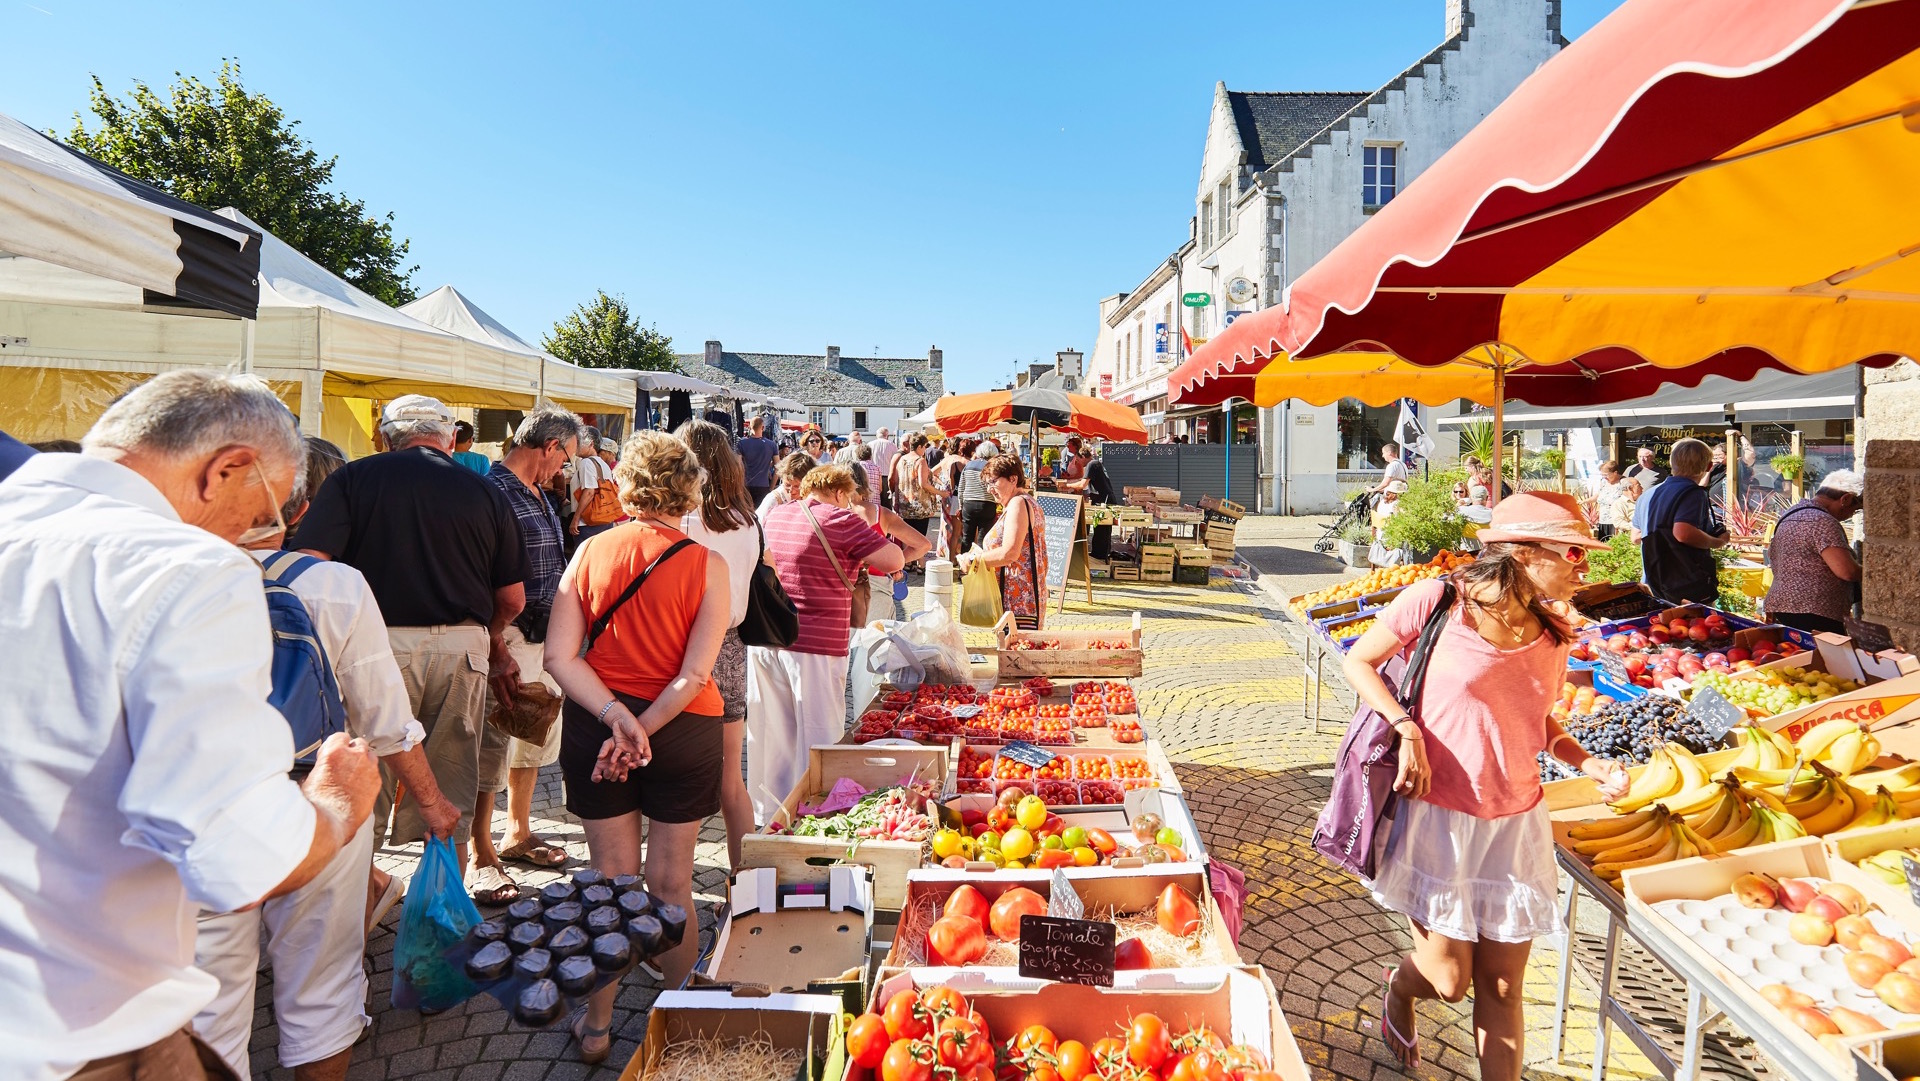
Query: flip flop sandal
point(535, 852)
point(581, 1034)
point(490, 885)
point(396, 886)
point(1406, 1050)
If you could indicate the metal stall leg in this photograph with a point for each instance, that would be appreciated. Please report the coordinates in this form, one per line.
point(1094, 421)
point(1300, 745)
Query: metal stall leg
point(1571, 913)
point(1698, 1018)
point(1601, 1033)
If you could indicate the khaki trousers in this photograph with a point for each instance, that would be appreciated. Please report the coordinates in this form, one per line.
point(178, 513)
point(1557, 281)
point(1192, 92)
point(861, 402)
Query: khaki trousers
point(445, 669)
point(179, 1057)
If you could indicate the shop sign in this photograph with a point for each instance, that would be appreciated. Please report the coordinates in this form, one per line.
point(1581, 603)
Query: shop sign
point(1230, 317)
point(1160, 338)
point(1071, 951)
point(1196, 300)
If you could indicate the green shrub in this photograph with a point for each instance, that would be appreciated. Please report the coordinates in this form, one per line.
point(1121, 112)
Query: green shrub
point(1427, 519)
point(1618, 563)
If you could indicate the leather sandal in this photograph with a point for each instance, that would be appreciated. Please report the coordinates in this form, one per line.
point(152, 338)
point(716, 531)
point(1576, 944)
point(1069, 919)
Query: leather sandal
point(581, 1034)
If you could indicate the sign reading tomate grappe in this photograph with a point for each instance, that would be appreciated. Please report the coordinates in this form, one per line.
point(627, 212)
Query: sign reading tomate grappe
point(1878, 705)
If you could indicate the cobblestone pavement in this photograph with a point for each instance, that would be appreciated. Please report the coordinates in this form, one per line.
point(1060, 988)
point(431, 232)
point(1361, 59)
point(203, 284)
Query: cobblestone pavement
point(1223, 692)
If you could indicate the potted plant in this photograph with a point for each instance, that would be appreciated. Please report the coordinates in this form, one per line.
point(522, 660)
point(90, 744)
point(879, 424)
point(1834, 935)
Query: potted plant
point(1789, 466)
point(1427, 519)
point(1355, 539)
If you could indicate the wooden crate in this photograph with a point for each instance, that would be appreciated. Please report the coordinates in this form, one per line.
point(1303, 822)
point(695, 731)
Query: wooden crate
point(1069, 653)
point(1126, 572)
point(1223, 508)
point(806, 859)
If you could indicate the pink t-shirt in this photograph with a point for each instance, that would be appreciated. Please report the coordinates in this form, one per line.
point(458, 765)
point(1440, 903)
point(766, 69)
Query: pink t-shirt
point(1484, 710)
point(824, 604)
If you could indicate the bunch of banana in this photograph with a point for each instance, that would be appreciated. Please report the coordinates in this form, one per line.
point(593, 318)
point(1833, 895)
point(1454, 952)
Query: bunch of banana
point(1890, 865)
point(1843, 746)
point(1671, 771)
point(1761, 749)
point(1876, 810)
point(1901, 782)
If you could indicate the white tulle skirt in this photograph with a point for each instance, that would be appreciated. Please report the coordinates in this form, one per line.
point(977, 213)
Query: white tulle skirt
point(1470, 878)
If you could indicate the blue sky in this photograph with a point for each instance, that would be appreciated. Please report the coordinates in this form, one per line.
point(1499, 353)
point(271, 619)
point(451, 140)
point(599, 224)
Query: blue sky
point(778, 176)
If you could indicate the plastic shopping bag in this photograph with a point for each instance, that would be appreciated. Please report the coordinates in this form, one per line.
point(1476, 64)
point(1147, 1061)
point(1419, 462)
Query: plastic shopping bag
point(979, 596)
point(434, 920)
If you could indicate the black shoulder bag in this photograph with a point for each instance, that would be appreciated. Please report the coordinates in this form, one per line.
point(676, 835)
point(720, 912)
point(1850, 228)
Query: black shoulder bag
point(771, 620)
point(599, 625)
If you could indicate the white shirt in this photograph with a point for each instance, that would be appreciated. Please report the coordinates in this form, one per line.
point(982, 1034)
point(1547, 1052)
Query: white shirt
point(883, 452)
point(144, 774)
point(739, 548)
point(773, 499)
point(354, 635)
point(1396, 470)
point(589, 472)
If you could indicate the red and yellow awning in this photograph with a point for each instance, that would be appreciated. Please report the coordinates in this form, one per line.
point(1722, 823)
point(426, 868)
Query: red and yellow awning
point(1714, 186)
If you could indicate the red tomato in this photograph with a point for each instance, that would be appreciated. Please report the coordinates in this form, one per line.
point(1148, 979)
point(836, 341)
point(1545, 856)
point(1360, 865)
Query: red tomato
point(1035, 1038)
point(1147, 1042)
point(1205, 1065)
point(1132, 953)
point(969, 902)
point(962, 1045)
point(1049, 858)
point(955, 940)
point(942, 1002)
point(1102, 841)
point(1073, 1060)
point(1177, 912)
point(1013, 904)
point(908, 1060)
point(1109, 1055)
point(906, 1019)
point(867, 1040)
point(1178, 1068)
point(1242, 1060)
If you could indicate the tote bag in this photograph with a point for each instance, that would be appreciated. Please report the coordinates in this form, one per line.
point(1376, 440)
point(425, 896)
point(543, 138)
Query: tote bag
point(1368, 760)
point(772, 620)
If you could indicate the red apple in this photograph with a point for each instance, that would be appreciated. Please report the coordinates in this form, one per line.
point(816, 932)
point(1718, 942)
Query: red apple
point(1636, 663)
point(1714, 660)
point(1659, 636)
point(1736, 655)
point(1636, 640)
point(1765, 645)
point(1618, 643)
point(1699, 633)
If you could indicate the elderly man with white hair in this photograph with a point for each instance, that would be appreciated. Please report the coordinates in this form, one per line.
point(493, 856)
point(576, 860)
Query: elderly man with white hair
point(146, 776)
point(442, 550)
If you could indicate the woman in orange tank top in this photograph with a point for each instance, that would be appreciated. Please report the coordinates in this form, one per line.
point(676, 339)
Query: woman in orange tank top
point(642, 730)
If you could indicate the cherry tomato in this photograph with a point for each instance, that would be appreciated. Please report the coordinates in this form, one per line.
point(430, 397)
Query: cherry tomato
point(1147, 1042)
point(867, 1040)
point(1073, 1060)
point(906, 1019)
point(908, 1060)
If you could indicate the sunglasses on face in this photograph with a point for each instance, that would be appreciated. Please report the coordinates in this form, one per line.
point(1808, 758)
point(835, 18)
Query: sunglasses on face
point(1572, 553)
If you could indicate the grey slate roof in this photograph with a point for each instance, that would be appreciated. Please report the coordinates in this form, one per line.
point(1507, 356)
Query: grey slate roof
point(1275, 124)
point(861, 381)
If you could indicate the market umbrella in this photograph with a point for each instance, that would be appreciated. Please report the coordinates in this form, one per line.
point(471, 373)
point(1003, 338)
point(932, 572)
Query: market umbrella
point(1714, 186)
point(1039, 407)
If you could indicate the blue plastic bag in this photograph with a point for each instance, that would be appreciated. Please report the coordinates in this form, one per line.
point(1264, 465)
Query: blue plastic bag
point(434, 921)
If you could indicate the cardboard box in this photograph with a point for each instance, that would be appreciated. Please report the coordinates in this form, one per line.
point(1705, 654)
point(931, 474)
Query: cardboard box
point(1171, 808)
point(1127, 891)
point(1155, 755)
point(1237, 1002)
point(794, 937)
point(806, 1023)
point(808, 859)
point(1846, 850)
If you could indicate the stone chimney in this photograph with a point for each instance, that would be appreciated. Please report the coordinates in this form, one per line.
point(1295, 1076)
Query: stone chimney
point(833, 358)
point(1459, 14)
point(712, 356)
point(934, 358)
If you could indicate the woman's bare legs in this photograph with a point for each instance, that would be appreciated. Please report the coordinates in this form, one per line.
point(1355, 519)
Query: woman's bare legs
point(1439, 967)
point(614, 847)
point(1499, 1007)
point(736, 807)
point(670, 878)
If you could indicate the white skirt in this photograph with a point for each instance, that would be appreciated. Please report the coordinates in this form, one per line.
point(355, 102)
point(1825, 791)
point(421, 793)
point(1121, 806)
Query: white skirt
point(1470, 878)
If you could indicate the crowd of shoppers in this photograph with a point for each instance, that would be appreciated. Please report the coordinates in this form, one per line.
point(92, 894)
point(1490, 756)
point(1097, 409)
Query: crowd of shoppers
point(442, 589)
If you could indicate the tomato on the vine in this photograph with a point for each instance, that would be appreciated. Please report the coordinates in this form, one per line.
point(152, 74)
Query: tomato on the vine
point(1206, 1065)
point(1109, 1054)
point(1147, 1042)
point(1034, 1038)
point(961, 1044)
point(908, 1060)
point(906, 1019)
point(942, 1002)
point(1241, 1060)
point(867, 1040)
point(1073, 1060)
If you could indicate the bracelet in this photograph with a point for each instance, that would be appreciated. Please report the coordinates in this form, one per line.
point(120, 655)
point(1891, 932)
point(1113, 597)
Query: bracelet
point(611, 702)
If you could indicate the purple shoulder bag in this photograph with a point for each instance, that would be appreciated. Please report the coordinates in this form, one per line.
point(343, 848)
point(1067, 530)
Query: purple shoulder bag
point(1368, 760)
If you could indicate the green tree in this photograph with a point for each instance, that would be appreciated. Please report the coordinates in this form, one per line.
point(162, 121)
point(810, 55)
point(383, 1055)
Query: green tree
point(219, 145)
point(602, 333)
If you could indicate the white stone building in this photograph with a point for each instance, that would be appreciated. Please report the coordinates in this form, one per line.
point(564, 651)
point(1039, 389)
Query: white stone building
point(843, 394)
point(1284, 177)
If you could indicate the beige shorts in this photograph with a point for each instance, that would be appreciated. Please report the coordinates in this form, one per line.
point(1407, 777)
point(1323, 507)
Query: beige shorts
point(445, 670)
point(500, 752)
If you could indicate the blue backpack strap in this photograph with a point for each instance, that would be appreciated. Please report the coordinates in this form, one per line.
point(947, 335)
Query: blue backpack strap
point(281, 568)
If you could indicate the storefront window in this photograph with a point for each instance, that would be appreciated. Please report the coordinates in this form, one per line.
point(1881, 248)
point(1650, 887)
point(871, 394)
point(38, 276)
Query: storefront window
point(1363, 428)
point(1826, 444)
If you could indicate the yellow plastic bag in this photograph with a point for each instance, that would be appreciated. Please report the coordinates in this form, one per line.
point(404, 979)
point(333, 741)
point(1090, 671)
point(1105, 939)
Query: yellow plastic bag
point(979, 596)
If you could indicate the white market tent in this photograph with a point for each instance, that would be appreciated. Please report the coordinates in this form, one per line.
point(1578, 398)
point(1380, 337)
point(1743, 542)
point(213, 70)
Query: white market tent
point(584, 390)
point(329, 349)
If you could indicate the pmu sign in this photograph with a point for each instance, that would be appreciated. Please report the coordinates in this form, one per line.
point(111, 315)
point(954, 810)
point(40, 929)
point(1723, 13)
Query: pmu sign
point(1196, 300)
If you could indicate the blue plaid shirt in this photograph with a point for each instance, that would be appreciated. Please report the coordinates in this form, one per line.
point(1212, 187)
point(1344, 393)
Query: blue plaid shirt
point(546, 555)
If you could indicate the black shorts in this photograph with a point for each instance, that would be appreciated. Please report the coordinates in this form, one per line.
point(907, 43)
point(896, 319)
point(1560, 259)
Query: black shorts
point(680, 784)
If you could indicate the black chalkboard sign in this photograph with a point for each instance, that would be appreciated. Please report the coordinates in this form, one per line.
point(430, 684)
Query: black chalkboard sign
point(1913, 878)
point(1021, 751)
point(1071, 951)
point(1717, 715)
point(1062, 528)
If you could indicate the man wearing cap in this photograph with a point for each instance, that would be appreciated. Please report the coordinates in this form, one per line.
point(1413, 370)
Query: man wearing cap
point(441, 548)
point(1813, 565)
